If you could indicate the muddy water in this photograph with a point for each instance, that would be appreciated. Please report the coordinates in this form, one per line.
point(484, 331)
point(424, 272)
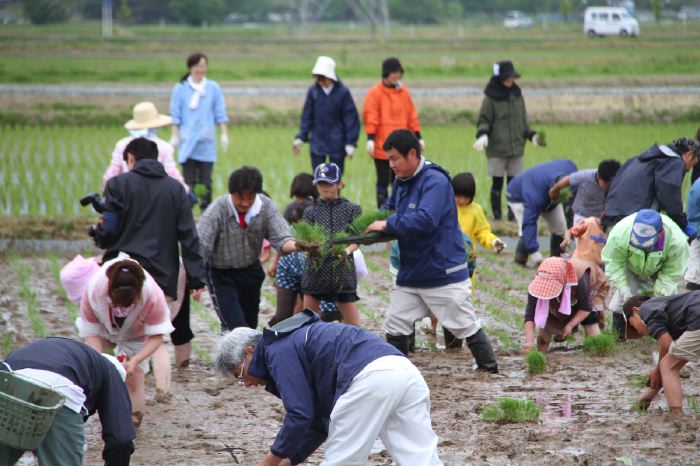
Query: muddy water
point(586, 416)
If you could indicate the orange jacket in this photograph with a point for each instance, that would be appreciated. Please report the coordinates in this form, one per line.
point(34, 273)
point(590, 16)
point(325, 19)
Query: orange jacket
point(385, 110)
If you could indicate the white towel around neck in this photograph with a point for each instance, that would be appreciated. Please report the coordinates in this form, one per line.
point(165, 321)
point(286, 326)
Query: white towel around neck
point(198, 91)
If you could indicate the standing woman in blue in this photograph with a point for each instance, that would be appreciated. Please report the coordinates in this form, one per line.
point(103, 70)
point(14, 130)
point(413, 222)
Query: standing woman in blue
point(197, 106)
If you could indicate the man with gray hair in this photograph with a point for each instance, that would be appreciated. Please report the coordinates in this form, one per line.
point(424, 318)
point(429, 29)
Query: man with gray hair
point(339, 384)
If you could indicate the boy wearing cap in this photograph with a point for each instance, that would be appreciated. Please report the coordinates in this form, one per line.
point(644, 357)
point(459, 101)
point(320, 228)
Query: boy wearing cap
point(646, 254)
point(558, 300)
point(388, 107)
point(331, 278)
point(502, 129)
point(674, 321)
point(330, 116)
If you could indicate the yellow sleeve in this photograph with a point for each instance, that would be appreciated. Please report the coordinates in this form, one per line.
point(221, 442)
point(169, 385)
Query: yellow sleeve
point(482, 228)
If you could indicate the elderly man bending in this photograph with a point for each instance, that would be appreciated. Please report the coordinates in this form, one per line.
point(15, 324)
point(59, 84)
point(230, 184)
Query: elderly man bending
point(338, 383)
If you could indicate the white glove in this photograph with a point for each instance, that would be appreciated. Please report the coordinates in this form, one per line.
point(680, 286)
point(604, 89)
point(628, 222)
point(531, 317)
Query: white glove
point(535, 141)
point(422, 145)
point(174, 140)
point(224, 142)
point(296, 146)
point(498, 245)
point(370, 147)
point(482, 142)
point(349, 150)
point(625, 293)
point(536, 258)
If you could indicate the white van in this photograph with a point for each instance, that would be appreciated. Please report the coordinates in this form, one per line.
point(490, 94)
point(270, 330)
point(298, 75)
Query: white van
point(609, 21)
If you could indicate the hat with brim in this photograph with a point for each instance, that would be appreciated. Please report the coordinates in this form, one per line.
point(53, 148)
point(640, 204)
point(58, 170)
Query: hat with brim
point(552, 275)
point(646, 229)
point(325, 66)
point(505, 70)
point(145, 116)
point(327, 172)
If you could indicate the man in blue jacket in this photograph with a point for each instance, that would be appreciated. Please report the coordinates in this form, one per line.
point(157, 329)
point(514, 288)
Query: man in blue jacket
point(339, 384)
point(653, 180)
point(433, 273)
point(528, 198)
point(330, 116)
point(90, 383)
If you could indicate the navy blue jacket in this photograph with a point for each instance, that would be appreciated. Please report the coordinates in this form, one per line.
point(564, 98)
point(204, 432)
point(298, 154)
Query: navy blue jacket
point(674, 314)
point(654, 176)
point(331, 119)
point(425, 223)
point(104, 390)
point(531, 188)
point(309, 364)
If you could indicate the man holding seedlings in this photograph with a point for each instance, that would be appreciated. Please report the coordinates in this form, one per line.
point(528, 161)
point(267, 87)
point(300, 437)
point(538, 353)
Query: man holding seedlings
point(339, 384)
point(231, 232)
point(433, 273)
point(674, 321)
point(528, 198)
point(652, 180)
point(330, 116)
point(646, 254)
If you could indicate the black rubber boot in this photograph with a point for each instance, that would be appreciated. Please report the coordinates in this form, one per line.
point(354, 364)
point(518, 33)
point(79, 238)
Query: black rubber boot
point(451, 341)
point(412, 344)
point(496, 204)
point(520, 256)
point(555, 249)
point(619, 326)
point(382, 196)
point(400, 342)
point(481, 349)
point(511, 215)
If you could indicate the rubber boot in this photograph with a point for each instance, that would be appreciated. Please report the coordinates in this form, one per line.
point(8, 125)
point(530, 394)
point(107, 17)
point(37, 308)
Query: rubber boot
point(619, 326)
point(481, 349)
point(412, 344)
point(511, 215)
point(451, 342)
point(555, 249)
point(496, 204)
point(382, 196)
point(520, 256)
point(400, 342)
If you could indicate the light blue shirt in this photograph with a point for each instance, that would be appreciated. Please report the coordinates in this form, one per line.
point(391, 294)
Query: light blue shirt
point(197, 126)
point(694, 205)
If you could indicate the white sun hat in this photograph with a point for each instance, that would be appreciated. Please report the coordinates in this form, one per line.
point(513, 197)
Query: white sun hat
point(146, 116)
point(325, 66)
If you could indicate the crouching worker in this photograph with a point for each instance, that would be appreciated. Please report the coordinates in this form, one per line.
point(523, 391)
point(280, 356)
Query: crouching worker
point(558, 300)
point(339, 384)
point(89, 383)
point(674, 321)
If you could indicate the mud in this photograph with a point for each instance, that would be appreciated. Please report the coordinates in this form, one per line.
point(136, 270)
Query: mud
point(587, 416)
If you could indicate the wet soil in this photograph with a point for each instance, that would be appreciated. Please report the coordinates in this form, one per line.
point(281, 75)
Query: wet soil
point(587, 415)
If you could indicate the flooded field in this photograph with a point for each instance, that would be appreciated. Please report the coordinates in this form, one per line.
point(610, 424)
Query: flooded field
point(587, 415)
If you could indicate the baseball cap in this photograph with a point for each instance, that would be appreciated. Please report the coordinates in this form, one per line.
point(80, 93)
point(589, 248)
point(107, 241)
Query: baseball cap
point(646, 229)
point(328, 172)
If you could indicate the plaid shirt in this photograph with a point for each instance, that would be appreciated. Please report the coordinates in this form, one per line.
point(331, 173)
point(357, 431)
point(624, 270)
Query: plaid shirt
point(226, 245)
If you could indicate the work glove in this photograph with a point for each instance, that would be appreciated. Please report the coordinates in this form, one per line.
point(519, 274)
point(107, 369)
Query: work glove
point(536, 141)
point(690, 231)
point(174, 140)
point(481, 143)
point(370, 147)
point(498, 245)
point(422, 145)
point(349, 150)
point(536, 258)
point(296, 146)
point(626, 293)
point(224, 142)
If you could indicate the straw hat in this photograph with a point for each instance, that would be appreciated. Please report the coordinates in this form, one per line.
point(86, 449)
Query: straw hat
point(146, 116)
point(552, 275)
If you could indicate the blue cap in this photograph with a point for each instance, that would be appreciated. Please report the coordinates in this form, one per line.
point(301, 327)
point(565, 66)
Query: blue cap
point(328, 172)
point(646, 229)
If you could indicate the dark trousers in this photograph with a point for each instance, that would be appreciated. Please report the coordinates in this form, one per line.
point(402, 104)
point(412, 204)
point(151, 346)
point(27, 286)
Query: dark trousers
point(236, 295)
point(183, 332)
point(385, 176)
point(318, 159)
point(196, 172)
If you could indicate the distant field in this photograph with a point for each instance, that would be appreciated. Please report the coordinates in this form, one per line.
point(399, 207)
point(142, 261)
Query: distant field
point(75, 52)
point(45, 170)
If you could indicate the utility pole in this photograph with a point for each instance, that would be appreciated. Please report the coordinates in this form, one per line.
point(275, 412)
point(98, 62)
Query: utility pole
point(107, 6)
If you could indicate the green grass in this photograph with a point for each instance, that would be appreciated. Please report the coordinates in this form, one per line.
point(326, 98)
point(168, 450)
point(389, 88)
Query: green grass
point(511, 410)
point(44, 170)
point(600, 345)
point(536, 362)
point(24, 278)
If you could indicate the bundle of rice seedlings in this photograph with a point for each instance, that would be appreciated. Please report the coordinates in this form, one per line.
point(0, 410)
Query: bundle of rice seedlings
point(511, 410)
point(564, 195)
point(600, 345)
point(542, 138)
point(360, 224)
point(536, 362)
point(309, 233)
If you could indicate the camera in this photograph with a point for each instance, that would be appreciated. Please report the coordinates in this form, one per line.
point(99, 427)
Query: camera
point(94, 199)
point(106, 231)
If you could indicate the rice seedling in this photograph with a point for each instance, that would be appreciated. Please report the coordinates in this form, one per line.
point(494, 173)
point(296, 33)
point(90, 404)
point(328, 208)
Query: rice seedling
point(542, 138)
point(504, 338)
point(600, 345)
point(8, 341)
point(368, 312)
point(71, 308)
point(536, 362)
point(637, 381)
point(202, 354)
point(310, 233)
point(512, 410)
point(693, 404)
point(211, 321)
point(361, 223)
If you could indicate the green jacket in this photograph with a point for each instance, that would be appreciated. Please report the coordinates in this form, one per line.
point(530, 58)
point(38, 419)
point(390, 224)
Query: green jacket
point(667, 265)
point(504, 119)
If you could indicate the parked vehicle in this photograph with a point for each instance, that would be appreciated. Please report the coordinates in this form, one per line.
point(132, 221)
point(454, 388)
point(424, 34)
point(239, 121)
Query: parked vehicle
point(609, 21)
point(517, 20)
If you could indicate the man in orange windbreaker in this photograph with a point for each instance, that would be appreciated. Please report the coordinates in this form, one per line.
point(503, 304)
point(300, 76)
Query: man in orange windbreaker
point(388, 107)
